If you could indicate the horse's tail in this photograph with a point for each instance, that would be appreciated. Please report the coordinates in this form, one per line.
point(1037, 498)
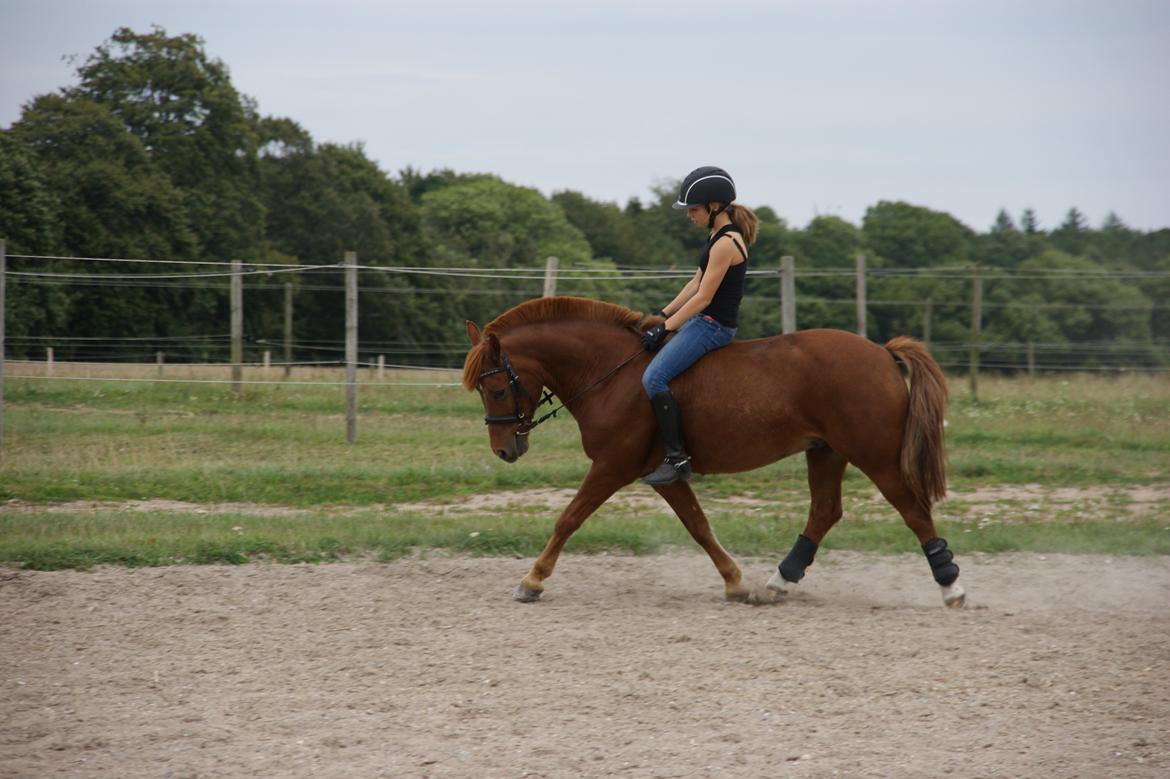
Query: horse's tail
point(923, 461)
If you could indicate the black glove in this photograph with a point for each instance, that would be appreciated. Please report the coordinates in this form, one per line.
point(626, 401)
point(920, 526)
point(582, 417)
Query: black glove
point(652, 339)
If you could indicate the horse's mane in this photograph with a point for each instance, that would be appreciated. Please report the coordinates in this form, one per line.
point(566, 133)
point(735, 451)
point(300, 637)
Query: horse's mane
point(545, 310)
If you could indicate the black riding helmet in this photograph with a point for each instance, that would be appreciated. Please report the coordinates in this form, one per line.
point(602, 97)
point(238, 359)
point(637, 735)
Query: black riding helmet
point(704, 185)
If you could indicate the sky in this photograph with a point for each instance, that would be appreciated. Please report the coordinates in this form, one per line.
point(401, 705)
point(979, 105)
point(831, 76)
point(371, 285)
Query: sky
point(816, 107)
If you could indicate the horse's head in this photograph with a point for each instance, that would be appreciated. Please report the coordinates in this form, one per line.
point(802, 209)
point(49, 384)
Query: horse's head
point(508, 404)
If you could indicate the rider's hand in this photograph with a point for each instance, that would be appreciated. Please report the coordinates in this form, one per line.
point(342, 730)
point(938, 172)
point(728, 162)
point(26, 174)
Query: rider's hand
point(652, 339)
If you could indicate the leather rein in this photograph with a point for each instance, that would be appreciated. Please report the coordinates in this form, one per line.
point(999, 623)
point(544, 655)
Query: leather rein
point(518, 417)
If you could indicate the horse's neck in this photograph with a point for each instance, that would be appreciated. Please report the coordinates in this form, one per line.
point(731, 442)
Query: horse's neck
point(573, 356)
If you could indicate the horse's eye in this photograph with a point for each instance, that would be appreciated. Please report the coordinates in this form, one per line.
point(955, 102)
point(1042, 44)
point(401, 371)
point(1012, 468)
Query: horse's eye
point(498, 394)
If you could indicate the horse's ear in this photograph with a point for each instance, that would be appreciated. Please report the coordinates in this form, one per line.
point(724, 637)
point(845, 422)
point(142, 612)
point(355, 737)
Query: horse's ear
point(493, 346)
point(473, 332)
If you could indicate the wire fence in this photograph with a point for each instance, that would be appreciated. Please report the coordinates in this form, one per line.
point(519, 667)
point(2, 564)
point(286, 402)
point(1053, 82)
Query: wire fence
point(934, 304)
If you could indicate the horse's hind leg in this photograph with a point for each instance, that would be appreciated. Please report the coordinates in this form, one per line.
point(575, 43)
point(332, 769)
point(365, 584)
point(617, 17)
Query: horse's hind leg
point(825, 470)
point(946, 572)
point(682, 499)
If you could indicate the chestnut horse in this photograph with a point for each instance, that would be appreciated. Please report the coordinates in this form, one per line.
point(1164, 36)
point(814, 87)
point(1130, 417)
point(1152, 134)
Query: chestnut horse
point(835, 396)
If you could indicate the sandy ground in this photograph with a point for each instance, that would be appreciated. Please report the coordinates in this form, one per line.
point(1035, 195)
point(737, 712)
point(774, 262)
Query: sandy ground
point(1060, 667)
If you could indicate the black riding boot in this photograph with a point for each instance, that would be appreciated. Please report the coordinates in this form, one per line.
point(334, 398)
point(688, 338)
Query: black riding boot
point(677, 465)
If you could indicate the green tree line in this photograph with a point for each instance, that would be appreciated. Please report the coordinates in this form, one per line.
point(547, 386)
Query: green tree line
point(155, 154)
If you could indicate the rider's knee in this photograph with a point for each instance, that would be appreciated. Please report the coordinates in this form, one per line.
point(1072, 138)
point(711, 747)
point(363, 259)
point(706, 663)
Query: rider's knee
point(651, 384)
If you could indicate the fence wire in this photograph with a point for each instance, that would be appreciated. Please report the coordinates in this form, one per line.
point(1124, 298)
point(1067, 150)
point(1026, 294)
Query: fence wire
point(824, 298)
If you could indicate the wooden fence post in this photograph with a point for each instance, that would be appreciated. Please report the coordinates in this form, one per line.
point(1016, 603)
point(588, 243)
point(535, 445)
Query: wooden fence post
point(158, 358)
point(787, 296)
point(48, 361)
point(861, 329)
point(976, 329)
point(381, 367)
point(3, 271)
point(550, 276)
point(1031, 356)
point(237, 325)
point(288, 311)
point(351, 346)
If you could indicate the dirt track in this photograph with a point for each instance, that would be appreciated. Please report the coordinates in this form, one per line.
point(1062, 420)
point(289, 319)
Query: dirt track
point(630, 666)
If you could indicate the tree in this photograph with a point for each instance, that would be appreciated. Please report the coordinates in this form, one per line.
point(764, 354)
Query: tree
point(1099, 310)
point(500, 225)
point(1003, 222)
point(1157, 291)
point(1002, 246)
point(1028, 222)
point(28, 207)
point(912, 236)
point(609, 233)
point(487, 223)
point(1150, 250)
point(325, 200)
point(828, 242)
point(1113, 244)
point(30, 224)
point(118, 202)
point(192, 122)
point(1074, 221)
point(907, 236)
point(1071, 236)
point(418, 184)
point(774, 239)
point(672, 241)
point(278, 138)
point(113, 201)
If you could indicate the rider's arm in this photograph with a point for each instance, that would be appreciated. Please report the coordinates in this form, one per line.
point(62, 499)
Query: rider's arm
point(687, 293)
point(720, 259)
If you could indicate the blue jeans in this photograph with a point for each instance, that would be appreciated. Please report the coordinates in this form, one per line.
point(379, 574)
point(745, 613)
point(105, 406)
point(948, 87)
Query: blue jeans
point(698, 336)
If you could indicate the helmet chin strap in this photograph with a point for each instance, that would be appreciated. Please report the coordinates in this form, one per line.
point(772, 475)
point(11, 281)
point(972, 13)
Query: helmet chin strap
point(712, 214)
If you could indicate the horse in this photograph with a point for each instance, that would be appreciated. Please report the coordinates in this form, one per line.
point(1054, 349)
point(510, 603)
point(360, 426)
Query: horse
point(833, 395)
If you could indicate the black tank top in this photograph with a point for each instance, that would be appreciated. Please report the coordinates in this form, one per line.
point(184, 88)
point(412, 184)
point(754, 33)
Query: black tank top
point(724, 306)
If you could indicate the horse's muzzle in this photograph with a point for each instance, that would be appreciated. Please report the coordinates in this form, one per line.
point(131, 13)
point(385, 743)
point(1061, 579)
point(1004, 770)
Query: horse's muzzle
point(512, 454)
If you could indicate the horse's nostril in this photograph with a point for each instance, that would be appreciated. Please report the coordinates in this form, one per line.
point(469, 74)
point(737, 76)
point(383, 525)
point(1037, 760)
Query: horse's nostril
point(501, 454)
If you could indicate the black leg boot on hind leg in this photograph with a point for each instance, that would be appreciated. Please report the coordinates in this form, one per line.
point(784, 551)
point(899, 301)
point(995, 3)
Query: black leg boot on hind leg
point(791, 569)
point(677, 465)
point(946, 572)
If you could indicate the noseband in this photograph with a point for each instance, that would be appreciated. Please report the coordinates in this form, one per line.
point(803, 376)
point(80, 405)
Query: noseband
point(514, 382)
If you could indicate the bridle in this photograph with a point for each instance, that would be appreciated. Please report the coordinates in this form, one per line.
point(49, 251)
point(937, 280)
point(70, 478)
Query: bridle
point(518, 417)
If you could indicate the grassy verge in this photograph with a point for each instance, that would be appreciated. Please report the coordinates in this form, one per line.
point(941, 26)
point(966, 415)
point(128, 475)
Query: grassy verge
point(284, 446)
point(49, 542)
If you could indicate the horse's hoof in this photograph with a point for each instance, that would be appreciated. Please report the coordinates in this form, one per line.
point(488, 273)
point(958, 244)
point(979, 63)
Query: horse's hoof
point(525, 595)
point(737, 596)
point(778, 585)
point(954, 597)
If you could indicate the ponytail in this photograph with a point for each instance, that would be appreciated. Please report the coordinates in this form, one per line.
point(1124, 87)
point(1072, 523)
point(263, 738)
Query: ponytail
point(745, 220)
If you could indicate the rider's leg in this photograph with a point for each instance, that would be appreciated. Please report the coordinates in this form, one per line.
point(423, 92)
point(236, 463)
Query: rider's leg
point(677, 464)
point(697, 337)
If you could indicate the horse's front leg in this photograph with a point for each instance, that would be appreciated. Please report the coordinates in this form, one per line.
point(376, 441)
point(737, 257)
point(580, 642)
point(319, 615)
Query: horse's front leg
point(682, 499)
point(595, 489)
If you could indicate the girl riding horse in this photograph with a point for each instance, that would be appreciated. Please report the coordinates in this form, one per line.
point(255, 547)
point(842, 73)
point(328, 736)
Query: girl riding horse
point(705, 313)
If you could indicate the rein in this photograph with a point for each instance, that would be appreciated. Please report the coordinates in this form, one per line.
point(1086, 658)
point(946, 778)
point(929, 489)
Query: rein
point(514, 382)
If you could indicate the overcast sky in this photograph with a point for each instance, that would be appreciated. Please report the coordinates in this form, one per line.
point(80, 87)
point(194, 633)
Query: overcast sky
point(814, 106)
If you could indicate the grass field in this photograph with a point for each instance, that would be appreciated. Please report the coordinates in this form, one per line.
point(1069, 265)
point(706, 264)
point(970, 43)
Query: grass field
point(109, 470)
